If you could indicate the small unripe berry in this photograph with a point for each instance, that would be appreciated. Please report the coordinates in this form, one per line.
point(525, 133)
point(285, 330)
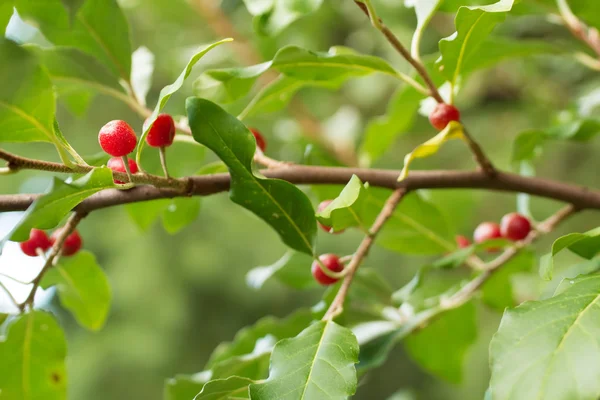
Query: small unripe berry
point(486, 231)
point(515, 226)
point(323, 205)
point(37, 240)
point(162, 132)
point(462, 241)
point(116, 164)
point(260, 140)
point(442, 114)
point(72, 243)
point(331, 262)
point(117, 138)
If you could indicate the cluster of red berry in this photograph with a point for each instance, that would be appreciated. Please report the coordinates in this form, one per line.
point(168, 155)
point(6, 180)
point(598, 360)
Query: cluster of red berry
point(513, 226)
point(39, 243)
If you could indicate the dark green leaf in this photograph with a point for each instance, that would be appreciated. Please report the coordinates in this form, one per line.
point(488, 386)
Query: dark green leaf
point(32, 358)
point(50, 209)
point(230, 84)
point(279, 203)
point(99, 28)
point(72, 7)
point(349, 208)
point(272, 16)
point(317, 363)
point(441, 346)
point(549, 349)
point(497, 292)
point(225, 389)
point(293, 269)
point(82, 288)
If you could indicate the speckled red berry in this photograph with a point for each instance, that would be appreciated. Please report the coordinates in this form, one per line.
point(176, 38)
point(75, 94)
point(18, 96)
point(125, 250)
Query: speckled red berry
point(162, 132)
point(117, 138)
point(116, 164)
point(323, 205)
point(37, 240)
point(442, 114)
point(515, 226)
point(72, 243)
point(331, 262)
point(462, 241)
point(260, 140)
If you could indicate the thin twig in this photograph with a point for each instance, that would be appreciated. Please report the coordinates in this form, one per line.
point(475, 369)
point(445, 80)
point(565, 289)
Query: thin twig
point(10, 296)
point(482, 160)
point(589, 36)
point(386, 212)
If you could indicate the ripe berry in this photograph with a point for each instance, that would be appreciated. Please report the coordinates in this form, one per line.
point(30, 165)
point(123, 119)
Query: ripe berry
point(117, 138)
point(260, 140)
point(331, 262)
point(323, 205)
point(442, 114)
point(486, 231)
point(37, 240)
point(162, 132)
point(462, 242)
point(72, 243)
point(117, 165)
point(515, 226)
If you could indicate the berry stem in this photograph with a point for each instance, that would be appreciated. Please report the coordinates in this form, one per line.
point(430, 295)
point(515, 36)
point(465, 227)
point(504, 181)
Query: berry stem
point(162, 151)
point(126, 165)
point(330, 273)
point(10, 296)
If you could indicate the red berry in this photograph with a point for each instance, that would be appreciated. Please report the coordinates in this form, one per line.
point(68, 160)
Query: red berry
point(260, 140)
point(37, 240)
point(442, 114)
point(462, 241)
point(331, 262)
point(116, 164)
point(515, 226)
point(486, 231)
point(323, 205)
point(162, 132)
point(72, 243)
point(117, 138)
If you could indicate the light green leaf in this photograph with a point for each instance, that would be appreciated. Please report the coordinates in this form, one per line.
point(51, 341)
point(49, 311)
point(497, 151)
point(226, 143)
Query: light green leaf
point(348, 209)
point(546, 267)
point(48, 211)
point(32, 359)
point(279, 203)
point(527, 146)
point(167, 91)
point(217, 167)
point(230, 84)
point(82, 288)
point(225, 389)
point(6, 11)
point(441, 346)
point(293, 270)
point(142, 68)
point(580, 130)
point(273, 16)
point(383, 130)
point(497, 292)
point(99, 28)
point(454, 130)
point(27, 97)
point(585, 244)
point(318, 363)
point(251, 366)
point(145, 213)
point(424, 9)
point(184, 387)
point(179, 213)
point(549, 349)
point(473, 25)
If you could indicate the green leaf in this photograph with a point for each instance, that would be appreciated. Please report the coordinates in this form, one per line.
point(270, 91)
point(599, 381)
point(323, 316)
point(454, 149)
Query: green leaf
point(497, 292)
point(251, 366)
point(424, 9)
point(217, 167)
point(527, 146)
point(32, 358)
point(441, 346)
point(99, 28)
point(3, 317)
point(142, 68)
point(82, 288)
point(454, 130)
point(579, 130)
point(26, 99)
point(245, 340)
point(383, 130)
point(293, 270)
point(546, 267)
point(179, 213)
point(72, 7)
point(225, 389)
point(184, 387)
point(145, 213)
point(585, 244)
point(549, 349)
point(338, 63)
point(318, 363)
point(273, 16)
point(282, 205)
point(473, 25)
point(230, 84)
point(167, 91)
point(6, 11)
point(347, 210)
point(48, 211)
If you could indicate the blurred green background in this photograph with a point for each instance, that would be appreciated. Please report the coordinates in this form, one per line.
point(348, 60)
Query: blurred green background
point(176, 297)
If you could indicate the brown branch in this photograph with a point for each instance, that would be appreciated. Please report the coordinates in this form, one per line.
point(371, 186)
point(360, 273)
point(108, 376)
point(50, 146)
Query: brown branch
point(579, 196)
point(69, 227)
point(390, 205)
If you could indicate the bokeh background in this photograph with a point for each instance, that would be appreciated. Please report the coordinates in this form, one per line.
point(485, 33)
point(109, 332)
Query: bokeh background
point(177, 296)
